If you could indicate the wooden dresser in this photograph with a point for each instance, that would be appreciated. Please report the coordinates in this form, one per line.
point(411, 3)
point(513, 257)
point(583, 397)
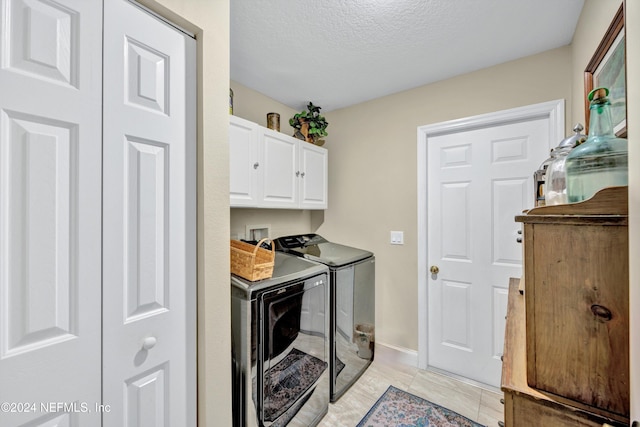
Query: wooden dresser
point(566, 354)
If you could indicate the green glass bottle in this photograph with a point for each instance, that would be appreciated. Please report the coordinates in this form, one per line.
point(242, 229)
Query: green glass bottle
point(602, 160)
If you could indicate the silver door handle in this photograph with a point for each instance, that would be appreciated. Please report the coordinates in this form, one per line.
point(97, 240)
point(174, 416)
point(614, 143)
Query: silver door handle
point(149, 342)
point(255, 165)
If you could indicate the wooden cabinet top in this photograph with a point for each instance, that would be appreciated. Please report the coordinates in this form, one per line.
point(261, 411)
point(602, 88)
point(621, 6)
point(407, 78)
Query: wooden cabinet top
point(608, 206)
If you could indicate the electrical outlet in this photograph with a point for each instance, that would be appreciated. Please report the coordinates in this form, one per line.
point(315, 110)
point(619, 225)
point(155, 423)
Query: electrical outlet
point(397, 237)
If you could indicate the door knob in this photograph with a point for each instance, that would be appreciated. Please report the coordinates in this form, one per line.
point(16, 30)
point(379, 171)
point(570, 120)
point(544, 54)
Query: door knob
point(149, 342)
point(434, 269)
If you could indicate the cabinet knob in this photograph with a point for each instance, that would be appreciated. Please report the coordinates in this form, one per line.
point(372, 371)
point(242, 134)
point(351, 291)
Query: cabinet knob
point(297, 173)
point(149, 342)
point(519, 239)
point(255, 165)
point(302, 174)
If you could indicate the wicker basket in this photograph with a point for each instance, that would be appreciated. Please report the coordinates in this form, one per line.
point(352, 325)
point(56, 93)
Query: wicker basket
point(252, 262)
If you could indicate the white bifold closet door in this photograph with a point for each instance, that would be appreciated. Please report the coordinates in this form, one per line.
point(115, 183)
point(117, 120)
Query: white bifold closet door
point(97, 229)
point(50, 212)
point(149, 221)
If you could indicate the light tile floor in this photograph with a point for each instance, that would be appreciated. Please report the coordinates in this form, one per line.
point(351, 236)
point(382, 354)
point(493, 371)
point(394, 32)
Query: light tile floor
point(478, 404)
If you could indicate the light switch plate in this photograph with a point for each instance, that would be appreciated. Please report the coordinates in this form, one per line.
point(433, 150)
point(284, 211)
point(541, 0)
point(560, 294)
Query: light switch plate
point(397, 237)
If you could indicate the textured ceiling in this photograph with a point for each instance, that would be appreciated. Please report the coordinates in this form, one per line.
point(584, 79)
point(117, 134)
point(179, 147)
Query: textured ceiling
point(337, 53)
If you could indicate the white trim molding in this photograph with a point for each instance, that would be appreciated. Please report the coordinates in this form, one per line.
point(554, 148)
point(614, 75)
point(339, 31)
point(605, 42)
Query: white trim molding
point(552, 110)
point(388, 353)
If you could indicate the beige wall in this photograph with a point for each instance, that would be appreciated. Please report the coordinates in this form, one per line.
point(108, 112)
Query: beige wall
point(209, 20)
point(282, 222)
point(373, 169)
point(254, 106)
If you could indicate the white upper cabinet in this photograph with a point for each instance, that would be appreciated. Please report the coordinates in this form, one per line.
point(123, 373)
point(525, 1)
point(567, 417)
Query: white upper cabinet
point(243, 153)
point(280, 177)
point(313, 176)
point(269, 169)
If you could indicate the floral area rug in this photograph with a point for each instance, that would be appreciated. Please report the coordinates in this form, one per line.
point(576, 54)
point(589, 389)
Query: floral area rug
point(397, 408)
point(286, 381)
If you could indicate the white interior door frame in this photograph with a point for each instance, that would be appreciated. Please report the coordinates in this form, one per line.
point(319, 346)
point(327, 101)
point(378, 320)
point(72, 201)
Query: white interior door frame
point(552, 110)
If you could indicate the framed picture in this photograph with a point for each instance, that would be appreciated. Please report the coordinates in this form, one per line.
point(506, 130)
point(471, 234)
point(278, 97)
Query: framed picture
point(607, 69)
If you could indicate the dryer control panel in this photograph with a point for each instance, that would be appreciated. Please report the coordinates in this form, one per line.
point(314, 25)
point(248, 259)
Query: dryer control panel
point(299, 241)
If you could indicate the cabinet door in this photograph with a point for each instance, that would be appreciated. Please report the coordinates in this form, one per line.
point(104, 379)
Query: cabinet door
point(279, 169)
point(313, 176)
point(244, 163)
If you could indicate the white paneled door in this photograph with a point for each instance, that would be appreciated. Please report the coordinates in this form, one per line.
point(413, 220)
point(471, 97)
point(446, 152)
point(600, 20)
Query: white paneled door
point(50, 210)
point(478, 181)
point(149, 221)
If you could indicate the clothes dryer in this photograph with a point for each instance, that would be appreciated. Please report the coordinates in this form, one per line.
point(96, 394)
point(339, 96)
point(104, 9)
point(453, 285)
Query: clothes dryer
point(352, 304)
point(280, 345)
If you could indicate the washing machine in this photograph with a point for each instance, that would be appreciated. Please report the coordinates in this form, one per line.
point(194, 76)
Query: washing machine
point(352, 304)
point(280, 345)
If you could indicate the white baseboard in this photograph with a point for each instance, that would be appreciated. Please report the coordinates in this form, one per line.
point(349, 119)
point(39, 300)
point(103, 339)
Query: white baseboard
point(392, 354)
